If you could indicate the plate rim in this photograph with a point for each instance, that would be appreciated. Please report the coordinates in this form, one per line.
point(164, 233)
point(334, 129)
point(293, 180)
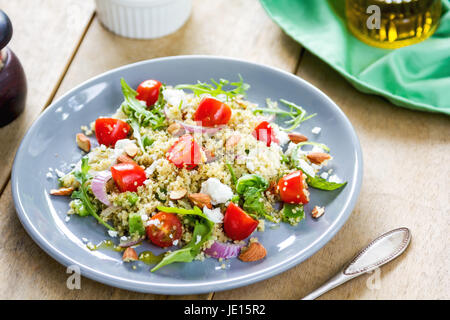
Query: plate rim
point(190, 288)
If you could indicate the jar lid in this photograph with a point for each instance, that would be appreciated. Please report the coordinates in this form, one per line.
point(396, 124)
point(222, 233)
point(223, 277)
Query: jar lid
point(6, 29)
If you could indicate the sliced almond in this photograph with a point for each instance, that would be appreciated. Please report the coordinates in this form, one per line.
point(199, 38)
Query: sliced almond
point(131, 149)
point(83, 142)
point(123, 158)
point(254, 252)
point(232, 141)
point(62, 191)
point(129, 255)
point(175, 129)
point(200, 200)
point(317, 212)
point(297, 137)
point(177, 194)
point(318, 157)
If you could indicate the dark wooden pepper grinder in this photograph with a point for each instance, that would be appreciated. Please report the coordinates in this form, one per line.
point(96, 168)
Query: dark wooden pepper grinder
point(13, 84)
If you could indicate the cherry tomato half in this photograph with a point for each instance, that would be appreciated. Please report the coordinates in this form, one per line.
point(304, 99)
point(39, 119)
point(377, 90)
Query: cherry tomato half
point(148, 91)
point(163, 229)
point(264, 132)
point(185, 152)
point(212, 112)
point(108, 131)
point(237, 224)
point(128, 176)
point(293, 188)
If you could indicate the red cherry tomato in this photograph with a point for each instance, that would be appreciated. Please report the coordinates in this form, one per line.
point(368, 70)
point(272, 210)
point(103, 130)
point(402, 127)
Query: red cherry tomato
point(185, 152)
point(237, 224)
point(212, 112)
point(164, 229)
point(293, 188)
point(264, 132)
point(128, 176)
point(109, 130)
point(148, 91)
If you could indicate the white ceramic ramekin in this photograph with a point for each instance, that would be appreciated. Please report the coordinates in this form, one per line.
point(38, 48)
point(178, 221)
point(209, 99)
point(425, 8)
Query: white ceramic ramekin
point(143, 19)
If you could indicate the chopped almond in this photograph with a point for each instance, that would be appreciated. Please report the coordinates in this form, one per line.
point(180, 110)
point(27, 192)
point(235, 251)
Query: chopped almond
point(297, 137)
point(131, 149)
point(83, 142)
point(62, 191)
point(200, 200)
point(177, 194)
point(123, 158)
point(129, 255)
point(317, 212)
point(318, 157)
point(175, 129)
point(254, 252)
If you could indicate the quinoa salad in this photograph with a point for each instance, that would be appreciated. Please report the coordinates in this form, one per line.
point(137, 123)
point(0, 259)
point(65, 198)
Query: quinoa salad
point(195, 169)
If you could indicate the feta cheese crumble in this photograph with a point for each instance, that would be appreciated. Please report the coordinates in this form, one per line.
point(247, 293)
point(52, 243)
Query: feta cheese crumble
point(335, 178)
point(316, 130)
point(306, 167)
point(112, 233)
point(219, 192)
point(215, 215)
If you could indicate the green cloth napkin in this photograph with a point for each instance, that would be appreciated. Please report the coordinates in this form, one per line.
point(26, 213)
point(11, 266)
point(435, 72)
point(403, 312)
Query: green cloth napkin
point(415, 77)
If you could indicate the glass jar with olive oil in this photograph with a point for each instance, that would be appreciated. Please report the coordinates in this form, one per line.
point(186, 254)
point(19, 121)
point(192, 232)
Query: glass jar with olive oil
point(392, 24)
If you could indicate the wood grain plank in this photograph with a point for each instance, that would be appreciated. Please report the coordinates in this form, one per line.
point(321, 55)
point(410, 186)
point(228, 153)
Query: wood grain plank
point(406, 183)
point(46, 33)
point(247, 33)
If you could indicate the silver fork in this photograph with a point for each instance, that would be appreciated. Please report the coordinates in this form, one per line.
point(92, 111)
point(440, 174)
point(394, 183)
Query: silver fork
point(380, 251)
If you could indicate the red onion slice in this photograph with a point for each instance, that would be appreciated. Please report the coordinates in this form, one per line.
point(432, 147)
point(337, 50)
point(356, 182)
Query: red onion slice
point(98, 186)
point(131, 243)
point(224, 250)
point(199, 129)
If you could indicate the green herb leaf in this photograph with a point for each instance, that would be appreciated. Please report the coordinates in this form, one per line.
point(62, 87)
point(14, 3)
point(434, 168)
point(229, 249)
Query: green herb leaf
point(181, 255)
point(251, 180)
point(233, 176)
point(253, 201)
point(217, 88)
point(251, 188)
point(322, 184)
point(296, 113)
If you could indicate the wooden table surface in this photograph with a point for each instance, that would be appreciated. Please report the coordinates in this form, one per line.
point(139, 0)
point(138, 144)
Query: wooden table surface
point(406, 153)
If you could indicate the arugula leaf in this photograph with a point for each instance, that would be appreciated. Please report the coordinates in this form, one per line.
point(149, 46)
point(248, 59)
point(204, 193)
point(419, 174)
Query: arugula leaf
point(296, 113)
point(322, 184)
point(181, 255)
point(293, 213)
point(88, 208)
point(139, 116)
point(217, 88)
point(202, 231)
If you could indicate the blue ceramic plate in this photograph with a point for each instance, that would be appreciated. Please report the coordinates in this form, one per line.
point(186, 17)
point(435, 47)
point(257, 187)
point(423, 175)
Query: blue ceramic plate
point(50, 143)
